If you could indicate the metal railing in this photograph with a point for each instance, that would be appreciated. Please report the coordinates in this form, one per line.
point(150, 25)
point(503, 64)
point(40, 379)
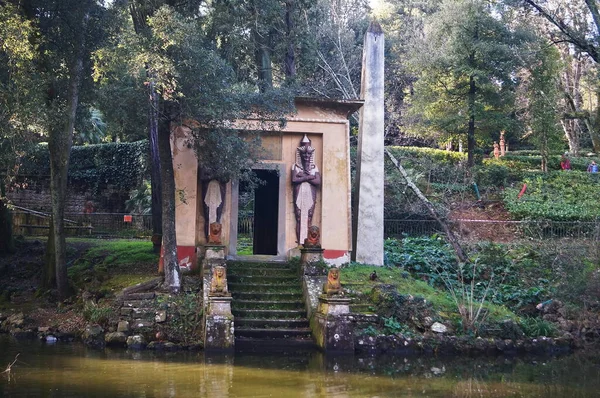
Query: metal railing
point(30, 223)
point(33, 223)
point(497, 230)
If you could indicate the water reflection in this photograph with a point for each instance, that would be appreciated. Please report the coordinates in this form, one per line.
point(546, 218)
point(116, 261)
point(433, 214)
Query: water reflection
point(71, 370)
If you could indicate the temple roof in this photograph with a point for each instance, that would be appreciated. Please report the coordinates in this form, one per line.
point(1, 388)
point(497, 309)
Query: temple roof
point(349, 106)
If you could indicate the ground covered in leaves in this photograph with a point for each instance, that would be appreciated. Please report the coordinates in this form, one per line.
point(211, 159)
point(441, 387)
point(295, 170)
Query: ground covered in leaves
point(98, 270)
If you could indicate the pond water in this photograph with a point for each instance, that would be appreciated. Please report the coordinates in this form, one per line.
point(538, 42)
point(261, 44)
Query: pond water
point(72, 370)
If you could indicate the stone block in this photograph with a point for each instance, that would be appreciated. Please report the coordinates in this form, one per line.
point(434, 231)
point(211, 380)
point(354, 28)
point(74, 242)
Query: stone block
point(123, 326)
point(219, 333)
point(136, 342)
point(116, 339)
point(161, 316)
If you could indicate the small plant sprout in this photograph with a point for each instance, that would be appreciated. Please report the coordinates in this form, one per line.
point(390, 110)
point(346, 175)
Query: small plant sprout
point(470, 306)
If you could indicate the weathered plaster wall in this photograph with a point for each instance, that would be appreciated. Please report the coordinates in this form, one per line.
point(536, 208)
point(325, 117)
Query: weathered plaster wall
point(185, 168)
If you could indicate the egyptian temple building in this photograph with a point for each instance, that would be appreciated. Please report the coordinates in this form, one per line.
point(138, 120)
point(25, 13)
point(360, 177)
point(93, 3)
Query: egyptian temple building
point(268, 216)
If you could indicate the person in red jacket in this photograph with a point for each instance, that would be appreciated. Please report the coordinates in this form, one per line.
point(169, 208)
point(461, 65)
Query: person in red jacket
point(565, 163)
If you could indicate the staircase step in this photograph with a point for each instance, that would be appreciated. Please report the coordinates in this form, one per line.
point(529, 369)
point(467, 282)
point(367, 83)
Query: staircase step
point(263, 287)
point(265, 272)
point(277, 324)
point(139, 296)
point(259, 264)
point(140, 323)
point(287, 345)
point(281, 314)
point(138, 313)
point(266, 296)
point(271, 333)
point(237, 278)
point(267, 305)
point(138, 303)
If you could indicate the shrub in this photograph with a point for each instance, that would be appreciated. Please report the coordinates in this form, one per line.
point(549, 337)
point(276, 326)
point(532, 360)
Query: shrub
point(123, 165)
point(536, 327)
point(95, 314)
point(559, 196)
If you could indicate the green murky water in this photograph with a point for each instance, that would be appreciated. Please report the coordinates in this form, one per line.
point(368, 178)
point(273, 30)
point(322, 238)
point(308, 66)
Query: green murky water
point(71, 370)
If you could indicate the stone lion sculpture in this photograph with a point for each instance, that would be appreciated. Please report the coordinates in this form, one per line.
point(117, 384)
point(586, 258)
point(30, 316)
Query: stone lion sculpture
point(333, 285)
point(313, 240)
point(218, 284)
point(214, 234)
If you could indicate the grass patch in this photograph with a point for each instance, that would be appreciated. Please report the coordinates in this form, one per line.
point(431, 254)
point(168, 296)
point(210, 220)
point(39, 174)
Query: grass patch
point(111, 265)
point(356, 278)
point(123, 252)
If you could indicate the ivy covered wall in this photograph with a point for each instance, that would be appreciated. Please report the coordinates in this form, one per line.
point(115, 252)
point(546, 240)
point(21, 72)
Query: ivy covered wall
point(103, 174)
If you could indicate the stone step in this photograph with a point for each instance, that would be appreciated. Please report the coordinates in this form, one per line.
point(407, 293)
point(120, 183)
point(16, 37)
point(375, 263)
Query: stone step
point(362, 308)
point(266, 272)
point(286, 346)
point(263, 279)
point(280, 314)
point(272, 333)
point(247, 286)
point(139, 296)
point(266, 296)
point(138, 303)
point(271, 323)
point(138, 313)
point(267, 305)
point(258, 265)
point(140, 324)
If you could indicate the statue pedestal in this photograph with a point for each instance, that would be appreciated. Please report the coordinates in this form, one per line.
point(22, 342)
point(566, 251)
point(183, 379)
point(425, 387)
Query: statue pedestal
point(310, 255)
point(218, 326)
point(213, 252)
point(332, 325)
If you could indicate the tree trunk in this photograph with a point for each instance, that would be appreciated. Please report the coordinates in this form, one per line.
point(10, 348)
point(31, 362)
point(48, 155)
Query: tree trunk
point(262, 54)
point(595, 129)
point(155, 167)
point(49, 271)
point(59, 144)
point(290, 57)
point(460, 254)
point(169, 239)
point(6, 236)
point(471, 128)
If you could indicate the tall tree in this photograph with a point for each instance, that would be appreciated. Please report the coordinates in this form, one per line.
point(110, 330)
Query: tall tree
point(263, 40)
point(579, 26)
point(19, 100)
point(465, 63)
point(67, 33)
point(543, 95)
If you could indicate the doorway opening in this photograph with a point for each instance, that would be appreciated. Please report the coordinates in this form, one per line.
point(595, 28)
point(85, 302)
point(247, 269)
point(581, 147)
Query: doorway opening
point(258, 215)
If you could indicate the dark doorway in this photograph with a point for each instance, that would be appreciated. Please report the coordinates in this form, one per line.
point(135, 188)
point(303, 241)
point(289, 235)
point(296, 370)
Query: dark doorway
point(266, 209)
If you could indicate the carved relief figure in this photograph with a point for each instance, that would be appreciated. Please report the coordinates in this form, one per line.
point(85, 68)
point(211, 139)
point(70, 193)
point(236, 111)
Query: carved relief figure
point(305, 179)
point(214, 233)
point(214, 194)
point(313, 240)
point(496, 150)
point(218, 284)
point(332, 286)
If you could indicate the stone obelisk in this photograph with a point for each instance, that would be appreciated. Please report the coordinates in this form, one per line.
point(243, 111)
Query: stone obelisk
point(368, 217)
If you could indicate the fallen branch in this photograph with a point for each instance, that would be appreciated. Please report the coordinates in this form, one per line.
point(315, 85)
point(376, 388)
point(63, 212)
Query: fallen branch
point(451, 238)
point(9, 367)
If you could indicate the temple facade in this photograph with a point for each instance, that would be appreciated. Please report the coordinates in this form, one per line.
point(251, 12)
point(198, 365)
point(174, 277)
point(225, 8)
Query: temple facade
point(306, 182)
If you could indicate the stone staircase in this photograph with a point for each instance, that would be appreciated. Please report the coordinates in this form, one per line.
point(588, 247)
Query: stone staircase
point(139, 310)
point(268, 305)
